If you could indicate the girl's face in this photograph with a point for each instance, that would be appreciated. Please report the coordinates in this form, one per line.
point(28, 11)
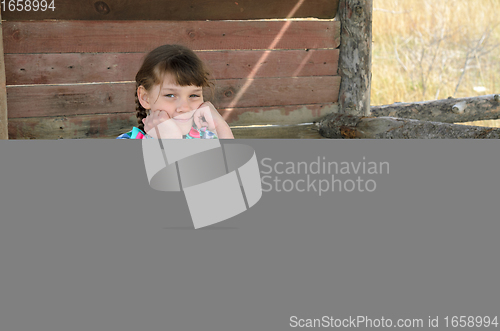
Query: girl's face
point(179, 102)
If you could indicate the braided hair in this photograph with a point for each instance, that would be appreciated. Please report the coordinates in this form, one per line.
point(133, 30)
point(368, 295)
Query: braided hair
point(176, 60)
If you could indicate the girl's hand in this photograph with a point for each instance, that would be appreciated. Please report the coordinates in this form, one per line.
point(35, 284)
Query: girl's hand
point(159, 125)
point(203, 116)
point(207, 116)
point(154, 119)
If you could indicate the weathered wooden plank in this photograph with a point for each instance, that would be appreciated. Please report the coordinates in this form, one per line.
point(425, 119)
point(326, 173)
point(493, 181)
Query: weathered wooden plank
point(179, 10)
point(142, 36)
point(279, 115)
point(3, 91)
point(112, 125)
point(304, 131)
point(276, 91)
point(54, 100)
point(49, 100)
point(278, 63)
point(474, 109)
point(71, 68)
point(341, 126)
point(71, 127)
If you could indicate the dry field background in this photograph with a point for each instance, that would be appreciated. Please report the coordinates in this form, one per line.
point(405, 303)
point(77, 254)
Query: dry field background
point(428, 50)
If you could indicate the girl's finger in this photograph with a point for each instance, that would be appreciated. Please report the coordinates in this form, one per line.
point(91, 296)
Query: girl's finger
point(197, 119)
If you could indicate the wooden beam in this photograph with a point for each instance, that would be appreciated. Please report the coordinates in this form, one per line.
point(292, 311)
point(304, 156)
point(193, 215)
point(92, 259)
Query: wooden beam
point(72, 127)
point(102, 98)
point(448, 110)
point(277, 115)
point(3, 91)
point(178, 10)
point(355, 56)
point(71, 68)
point(341, 126)
point(26, 37)
point(110, 126)
point(298, 131)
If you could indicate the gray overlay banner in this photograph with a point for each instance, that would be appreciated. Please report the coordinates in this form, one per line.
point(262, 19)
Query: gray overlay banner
point(87, 244)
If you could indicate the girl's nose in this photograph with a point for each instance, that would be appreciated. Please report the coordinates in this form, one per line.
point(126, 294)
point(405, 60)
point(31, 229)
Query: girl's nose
point(183, 106)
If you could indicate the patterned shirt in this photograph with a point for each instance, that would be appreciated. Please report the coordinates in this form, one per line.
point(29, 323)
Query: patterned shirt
point(195, 133)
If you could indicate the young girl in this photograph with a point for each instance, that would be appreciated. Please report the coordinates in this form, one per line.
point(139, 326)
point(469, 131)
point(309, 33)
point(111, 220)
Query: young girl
point(169, 98)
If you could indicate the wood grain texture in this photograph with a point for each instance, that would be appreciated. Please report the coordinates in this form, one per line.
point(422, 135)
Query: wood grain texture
point(179, 10)
point(3, 91)
point(307, 131)
point(48, 100)
point(277, 91)
point(278, 115)
point(277, 63)
point(479, 108)
point(71, 127)
point(355, 60)
point(71, 68)
point(54, 100)
point(342, 126)
point(143, 36)
point(112, 125)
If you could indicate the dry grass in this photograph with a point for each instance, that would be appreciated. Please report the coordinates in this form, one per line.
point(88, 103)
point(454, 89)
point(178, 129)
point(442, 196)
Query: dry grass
point(427, 49)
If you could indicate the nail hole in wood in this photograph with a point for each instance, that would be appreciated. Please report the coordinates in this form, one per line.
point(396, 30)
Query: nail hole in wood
point(102, 8)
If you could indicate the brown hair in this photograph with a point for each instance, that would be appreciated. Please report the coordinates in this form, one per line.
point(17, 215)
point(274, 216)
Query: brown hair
point(179, 61)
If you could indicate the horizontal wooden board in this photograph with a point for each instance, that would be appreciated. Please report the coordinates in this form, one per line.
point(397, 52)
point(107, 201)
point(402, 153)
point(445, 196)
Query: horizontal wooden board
point(48, 100)
point(71, 127)
point(143, 36)
point(178, 10)
point(54, 100)
point(276, 91)
point(277, 115)
point(71, 68)
point(109, 126)
point(309, 131)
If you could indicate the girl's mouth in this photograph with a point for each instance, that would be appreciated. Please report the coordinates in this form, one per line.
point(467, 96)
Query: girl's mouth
point(184, 118)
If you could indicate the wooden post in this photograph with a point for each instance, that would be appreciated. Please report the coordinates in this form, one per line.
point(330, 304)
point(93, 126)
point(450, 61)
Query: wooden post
point(3, 91)
point(355, 56)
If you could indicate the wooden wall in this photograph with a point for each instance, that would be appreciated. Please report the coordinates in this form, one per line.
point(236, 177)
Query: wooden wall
point(70, 73)
point(3, 91)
